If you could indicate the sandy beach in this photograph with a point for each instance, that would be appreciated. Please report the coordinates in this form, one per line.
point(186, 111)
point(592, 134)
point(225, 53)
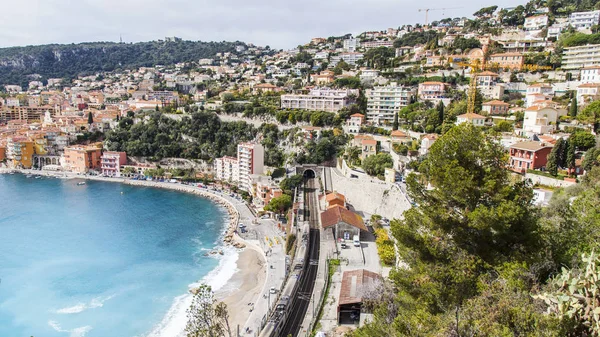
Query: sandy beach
point(244, 287)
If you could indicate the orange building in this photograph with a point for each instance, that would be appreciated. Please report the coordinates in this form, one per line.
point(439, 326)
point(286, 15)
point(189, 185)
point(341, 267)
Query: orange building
point(20, 151)
point(513, 61)
point(81, 159)
point(2, 153)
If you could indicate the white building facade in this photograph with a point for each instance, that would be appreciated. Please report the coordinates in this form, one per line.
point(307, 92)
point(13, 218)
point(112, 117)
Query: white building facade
point(320, 99)
point(584, 20)
point(575, 58)
point(383, 102)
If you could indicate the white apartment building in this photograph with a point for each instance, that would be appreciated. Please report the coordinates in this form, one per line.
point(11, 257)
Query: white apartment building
point(581, 57)
point(227, 169)
point(588, 92)
point(590, 75)
point(320, 99)
point(350, 58)
point(351, 44)
point(536, 22)
point(473, 118)
point(540, 120)
point(538, 92)
point(251, 160)
point(555, 30)
point(354, 123)
point(377, 44)
point(584, 20)
point(322, 55)
point(384, 101)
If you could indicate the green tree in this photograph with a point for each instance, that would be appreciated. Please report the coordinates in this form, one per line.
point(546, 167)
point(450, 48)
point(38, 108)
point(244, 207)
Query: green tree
point(570, 161)
point(591, 158)
point(560, 152)
point(551, 165)
point(376, 164)
point(279, 204)
point(591, 115)
point(395, 124)
point(573, 108)
point(289, 184)
point(582, 140)
point(206, 316)
point(90, 118)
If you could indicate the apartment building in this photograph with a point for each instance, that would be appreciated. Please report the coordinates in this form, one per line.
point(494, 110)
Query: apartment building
point(111, 162)
point(536, 22)
point(227, 169)
point(540, 120)
point(538, 92)
point(377, 44)
point(495, 107)
point(82, 159)
point(351, 44)
point(513, 61)
point(250, 161)
point(588, 92)
point(529, 155)
point(320, 99)
point(575, 58)
point(590, 74)
point(19, 152)
point(384, 101)
point(432, 90)
point(264, 189)
point(323, 77)
point(584, 20)
point(349, 57)
point(25, 113)
point(354, 123)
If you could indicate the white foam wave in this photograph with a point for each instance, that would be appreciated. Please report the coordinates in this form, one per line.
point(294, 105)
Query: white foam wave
point(96, 302)
point(174, 322)
point(77, 332)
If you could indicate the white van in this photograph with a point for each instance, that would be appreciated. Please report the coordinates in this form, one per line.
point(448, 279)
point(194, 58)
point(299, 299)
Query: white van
point(356, 241)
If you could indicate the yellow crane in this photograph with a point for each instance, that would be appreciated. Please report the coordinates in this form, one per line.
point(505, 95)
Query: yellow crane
point(426, 10)
point(476, 67)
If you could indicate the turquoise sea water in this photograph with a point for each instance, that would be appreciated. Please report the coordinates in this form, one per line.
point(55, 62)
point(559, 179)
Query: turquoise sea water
point(92, 261)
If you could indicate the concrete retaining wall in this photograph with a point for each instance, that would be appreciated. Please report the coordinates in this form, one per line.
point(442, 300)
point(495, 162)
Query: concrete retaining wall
point(542, 180)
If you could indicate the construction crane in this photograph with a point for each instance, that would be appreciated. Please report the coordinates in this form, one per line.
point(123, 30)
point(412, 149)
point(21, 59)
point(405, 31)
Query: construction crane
point(426, 10)
point(476, 67)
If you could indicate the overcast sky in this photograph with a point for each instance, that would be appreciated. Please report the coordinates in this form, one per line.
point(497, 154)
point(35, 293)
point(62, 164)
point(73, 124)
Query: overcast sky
point(278, 23)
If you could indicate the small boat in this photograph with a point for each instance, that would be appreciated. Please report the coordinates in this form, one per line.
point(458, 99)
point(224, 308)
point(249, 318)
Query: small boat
point(81, 183)
point(38, 177)
point(29, 176)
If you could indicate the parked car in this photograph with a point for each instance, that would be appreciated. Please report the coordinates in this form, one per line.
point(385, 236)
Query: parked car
point(356, 241)
point(343, 244)
point(273, 290)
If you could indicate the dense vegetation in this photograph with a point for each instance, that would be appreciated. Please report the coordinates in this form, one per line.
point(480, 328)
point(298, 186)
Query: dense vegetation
point(68, 61)
point(480, 257)
point(201, 136)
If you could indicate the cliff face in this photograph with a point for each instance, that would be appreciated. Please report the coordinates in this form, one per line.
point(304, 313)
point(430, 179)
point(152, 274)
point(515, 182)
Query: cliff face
point(18, 65)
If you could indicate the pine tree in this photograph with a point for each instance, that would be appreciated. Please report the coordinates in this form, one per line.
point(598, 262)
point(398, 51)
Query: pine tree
point(570, 156)
point(573, 108)
point(560, 152)
point(395, 124)
point(90, 118)
point(551, 165)
point(440, 109)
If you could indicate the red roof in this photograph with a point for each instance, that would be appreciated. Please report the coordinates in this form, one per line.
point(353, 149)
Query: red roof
point(337, 214)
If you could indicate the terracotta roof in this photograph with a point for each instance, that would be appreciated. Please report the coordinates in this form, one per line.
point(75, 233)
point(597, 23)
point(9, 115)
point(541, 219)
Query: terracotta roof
point(487, 73)
point(265, 85)
point(540, 85)
point(337, 214)
point(495, 102)
point(590, 68)
point(507, 54)
point(431, 136)
point(355, 283)
point(471, 116)
point(357, 115)
point(398, 133)
point(369, 142)
point(438, 83)
point(589, 85)
point(531, 146)
point(335, 195)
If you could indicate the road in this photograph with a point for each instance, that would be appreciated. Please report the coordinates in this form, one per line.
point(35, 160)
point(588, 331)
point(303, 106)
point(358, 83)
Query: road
point(301, 301)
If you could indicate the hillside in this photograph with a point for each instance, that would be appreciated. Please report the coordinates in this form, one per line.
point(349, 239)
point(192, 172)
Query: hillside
point(68, 61)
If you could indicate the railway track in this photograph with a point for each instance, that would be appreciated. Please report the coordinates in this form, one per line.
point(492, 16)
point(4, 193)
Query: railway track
point(300, 302)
